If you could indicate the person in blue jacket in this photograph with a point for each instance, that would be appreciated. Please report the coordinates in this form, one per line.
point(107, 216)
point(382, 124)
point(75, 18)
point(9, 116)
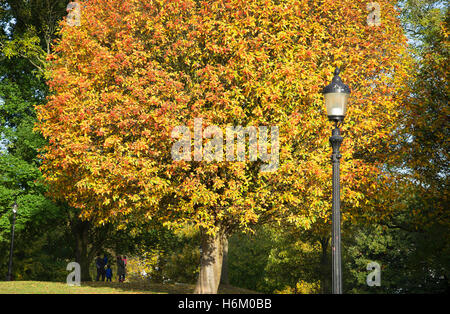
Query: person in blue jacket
point(108, 273)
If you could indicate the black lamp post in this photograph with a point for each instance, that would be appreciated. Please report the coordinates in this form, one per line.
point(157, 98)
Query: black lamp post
point(336, 98)
point(14, 209)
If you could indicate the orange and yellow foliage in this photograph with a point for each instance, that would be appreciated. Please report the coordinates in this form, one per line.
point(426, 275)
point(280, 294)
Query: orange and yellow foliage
point(136, 69)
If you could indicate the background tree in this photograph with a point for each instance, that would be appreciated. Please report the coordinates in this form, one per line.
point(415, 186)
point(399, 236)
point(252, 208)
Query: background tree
point(248, 258)
point(423, 146)
point(424, 142)
point(22, 51)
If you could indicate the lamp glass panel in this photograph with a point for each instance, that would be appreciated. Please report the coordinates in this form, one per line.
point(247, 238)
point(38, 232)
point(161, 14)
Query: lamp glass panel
point(336, 104)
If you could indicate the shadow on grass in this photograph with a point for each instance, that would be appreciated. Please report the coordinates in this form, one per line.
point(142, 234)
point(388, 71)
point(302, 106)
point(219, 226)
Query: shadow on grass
point(160, 288)
point(143, 287)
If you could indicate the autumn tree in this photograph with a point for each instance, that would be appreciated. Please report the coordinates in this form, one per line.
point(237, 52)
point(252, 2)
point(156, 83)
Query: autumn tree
point(134, 70)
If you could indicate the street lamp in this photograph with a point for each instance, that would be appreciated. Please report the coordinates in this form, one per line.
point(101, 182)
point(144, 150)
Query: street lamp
point(336, 98)
point(14, 209)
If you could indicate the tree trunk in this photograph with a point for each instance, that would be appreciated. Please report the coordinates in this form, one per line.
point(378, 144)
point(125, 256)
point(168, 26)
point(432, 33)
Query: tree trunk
point(224, 277)
point(81, 230)
point(210, 264)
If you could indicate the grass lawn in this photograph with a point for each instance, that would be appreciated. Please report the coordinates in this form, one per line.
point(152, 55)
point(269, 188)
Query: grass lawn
point(44, 287)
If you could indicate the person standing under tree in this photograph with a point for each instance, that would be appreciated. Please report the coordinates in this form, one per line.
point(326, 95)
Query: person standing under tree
point(124, 266)
point(120, 269)
point(100, 268)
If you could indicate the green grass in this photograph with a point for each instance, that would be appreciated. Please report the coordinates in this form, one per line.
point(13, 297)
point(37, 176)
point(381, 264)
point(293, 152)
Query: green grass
point(44, 287)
